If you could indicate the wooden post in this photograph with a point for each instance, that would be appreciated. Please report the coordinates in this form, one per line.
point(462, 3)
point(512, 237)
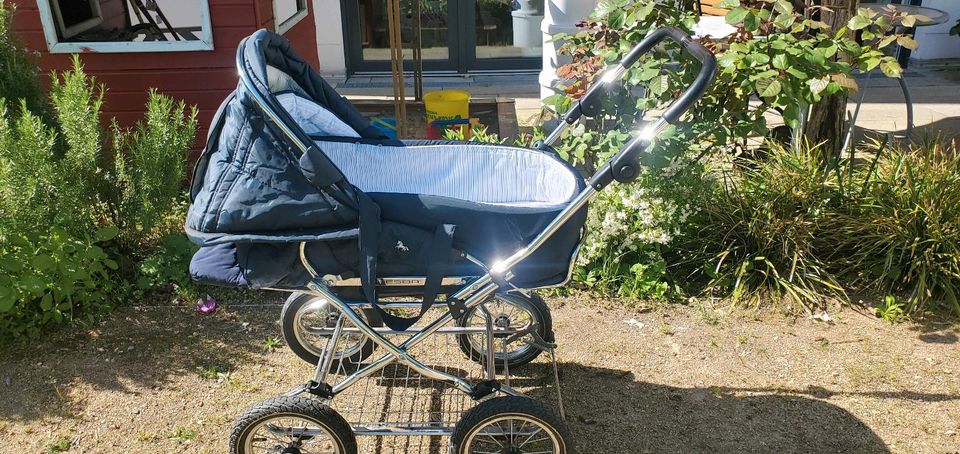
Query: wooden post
point(396, 66)
point(827, 122)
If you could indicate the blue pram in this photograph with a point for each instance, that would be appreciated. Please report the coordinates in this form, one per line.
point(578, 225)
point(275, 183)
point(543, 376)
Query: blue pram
point(296, 191)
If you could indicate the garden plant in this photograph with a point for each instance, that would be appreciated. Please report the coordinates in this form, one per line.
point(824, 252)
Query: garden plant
point(82, 207)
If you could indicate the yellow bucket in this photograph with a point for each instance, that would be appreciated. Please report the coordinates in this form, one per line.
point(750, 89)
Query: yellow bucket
point(446, 105)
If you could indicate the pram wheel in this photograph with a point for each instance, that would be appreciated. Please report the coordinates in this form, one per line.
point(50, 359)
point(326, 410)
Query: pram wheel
point(509, 310)
point(511, 424)
point(302, 313)
point(291, 424)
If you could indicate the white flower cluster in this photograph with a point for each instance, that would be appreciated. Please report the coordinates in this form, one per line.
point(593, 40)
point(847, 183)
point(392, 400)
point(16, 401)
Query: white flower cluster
point(628, 218)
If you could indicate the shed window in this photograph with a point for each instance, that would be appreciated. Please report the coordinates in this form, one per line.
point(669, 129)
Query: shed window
point(126, 25)
point(287, 13)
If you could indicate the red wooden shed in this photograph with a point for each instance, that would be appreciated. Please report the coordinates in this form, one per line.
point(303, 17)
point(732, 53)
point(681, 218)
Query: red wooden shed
point(183, 48)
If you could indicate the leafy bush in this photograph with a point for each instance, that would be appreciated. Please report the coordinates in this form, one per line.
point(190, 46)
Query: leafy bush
point(18, 70)
point(167, 266)
point(52, 280)
point(72, 175)
point(757, 233)
point(900, 230)
point(149, 169)
point(754, 235)
point(79, 205)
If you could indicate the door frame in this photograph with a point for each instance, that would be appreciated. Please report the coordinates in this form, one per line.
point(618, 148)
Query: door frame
point(461, 45)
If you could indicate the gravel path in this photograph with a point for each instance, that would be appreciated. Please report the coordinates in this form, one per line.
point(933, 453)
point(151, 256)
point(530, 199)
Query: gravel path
point(677, 379)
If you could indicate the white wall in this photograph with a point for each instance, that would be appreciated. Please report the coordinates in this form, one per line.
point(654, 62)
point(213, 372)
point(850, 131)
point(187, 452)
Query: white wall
point(560, 16)
point(330, 45)
point(935, 41)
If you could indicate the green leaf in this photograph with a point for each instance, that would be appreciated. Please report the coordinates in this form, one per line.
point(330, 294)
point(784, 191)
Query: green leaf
point(659, 85)
point(46, 303)
point(736, 15)
point(42, 262)
point(791, 115)
point(7, 298)
point(768, 88)
point(797, 73)
point(780, 61)
point(727, 60)
point(751, 22)
point(107, 233)
point(859, 22)
point(818, 85)
point(907, 42)
point(869, 64)
point(891, 68)
point(616, 19)
point(783, 6)
point(784, 21)
point(727, 4)
point(886, 41)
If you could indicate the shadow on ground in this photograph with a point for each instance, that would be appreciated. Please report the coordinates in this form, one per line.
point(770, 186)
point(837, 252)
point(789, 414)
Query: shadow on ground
point(611, 411)
point(133, 349)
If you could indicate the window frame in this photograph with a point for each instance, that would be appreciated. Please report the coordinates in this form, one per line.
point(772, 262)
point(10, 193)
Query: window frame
point(286, 25)
point(55, 46)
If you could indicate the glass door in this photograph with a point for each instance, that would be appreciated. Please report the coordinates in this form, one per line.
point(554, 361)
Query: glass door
point(368, 41)
point(456, 35)
point(505, 35)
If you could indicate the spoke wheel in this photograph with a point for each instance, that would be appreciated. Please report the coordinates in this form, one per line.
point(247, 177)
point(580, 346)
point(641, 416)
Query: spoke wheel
point(509, 310)
point(291, 425)
point(303, 313)
point(511, 425)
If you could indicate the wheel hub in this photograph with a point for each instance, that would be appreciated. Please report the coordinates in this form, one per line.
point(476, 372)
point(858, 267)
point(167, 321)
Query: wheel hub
point(291, 450)
point(502, 321)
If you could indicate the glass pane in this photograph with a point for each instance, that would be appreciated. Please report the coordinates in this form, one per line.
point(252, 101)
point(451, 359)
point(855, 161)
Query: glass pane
point(509, 28)
point(100, 21)
point(433, 28)
point(286, 9)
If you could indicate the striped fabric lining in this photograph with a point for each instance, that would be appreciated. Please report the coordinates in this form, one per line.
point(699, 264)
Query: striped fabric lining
point(488, 174)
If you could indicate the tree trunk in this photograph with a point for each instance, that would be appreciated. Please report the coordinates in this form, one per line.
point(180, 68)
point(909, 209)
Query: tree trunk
point(827, 122)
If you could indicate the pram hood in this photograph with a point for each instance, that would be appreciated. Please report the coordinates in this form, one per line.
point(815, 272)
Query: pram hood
point(251, 183)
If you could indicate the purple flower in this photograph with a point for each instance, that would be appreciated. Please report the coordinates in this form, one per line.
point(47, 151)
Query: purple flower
point(206, 305)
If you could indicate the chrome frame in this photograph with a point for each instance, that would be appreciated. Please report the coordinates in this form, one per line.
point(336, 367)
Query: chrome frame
point(474, 291)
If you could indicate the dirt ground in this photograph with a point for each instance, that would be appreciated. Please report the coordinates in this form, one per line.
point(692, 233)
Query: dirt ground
point(677, 379)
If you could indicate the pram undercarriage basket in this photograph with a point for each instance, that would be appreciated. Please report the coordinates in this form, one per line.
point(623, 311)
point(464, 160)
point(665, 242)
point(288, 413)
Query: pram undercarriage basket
point(296, 192)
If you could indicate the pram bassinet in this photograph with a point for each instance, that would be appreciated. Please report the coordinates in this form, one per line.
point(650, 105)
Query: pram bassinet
point(296, 190)
point(354, 195)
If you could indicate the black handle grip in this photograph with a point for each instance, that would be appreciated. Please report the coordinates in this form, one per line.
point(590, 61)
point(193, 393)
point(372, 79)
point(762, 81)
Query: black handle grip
point(589, 104)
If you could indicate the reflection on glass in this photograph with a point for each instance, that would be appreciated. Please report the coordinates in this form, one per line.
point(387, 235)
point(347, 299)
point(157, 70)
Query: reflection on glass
point(132, 20)
point(433, 28)
point(509, 28)
point(285, 10)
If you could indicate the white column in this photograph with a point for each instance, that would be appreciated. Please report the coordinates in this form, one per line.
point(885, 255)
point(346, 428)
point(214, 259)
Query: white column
point(560, 16)
point(331, 50)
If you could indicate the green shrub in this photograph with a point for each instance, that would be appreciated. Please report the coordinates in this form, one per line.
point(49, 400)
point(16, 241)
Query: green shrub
point(167, 266)
point(67, 181)
point(753, 237)
point(53, 174)
point(52, 280)
point(900, 231)
point(150, 166)
point(19, 78)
